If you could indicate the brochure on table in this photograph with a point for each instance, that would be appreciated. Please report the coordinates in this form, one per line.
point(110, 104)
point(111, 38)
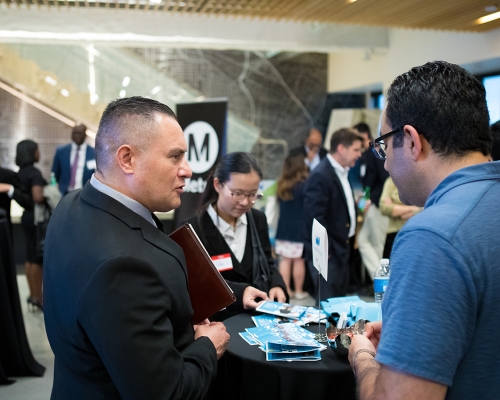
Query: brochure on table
point(281, 309)
point(320, 248)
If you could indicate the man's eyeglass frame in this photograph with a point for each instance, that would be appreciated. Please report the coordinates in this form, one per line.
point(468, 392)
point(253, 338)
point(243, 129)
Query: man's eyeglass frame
point(378, 145)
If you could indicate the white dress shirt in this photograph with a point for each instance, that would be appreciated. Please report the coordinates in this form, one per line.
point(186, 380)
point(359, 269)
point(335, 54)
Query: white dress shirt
point(342, 174)
point(236, 238)
point(82, 153)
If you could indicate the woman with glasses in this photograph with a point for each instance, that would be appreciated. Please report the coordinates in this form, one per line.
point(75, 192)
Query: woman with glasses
point(236, 236)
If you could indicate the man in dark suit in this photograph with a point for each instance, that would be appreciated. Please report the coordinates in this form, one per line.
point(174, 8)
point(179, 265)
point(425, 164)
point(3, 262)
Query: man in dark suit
point(329, 199)
point(117, 308)
point(74, 163)
point(312, 149)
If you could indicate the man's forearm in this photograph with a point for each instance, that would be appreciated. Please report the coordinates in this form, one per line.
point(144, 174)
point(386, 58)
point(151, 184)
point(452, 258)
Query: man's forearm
point(366, 370)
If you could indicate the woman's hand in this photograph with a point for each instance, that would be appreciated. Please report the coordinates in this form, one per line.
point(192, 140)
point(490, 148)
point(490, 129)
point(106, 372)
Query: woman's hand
point(249, 296)
point(277, 294)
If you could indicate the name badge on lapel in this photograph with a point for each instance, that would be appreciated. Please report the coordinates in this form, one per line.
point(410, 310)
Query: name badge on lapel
point(223, 262)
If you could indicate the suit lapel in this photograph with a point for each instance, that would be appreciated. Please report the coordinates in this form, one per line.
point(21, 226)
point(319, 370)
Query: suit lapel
point(337, 182)
point(150, 233)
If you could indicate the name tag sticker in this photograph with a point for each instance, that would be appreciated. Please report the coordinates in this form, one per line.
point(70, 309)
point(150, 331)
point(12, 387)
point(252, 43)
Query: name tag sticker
point(91, 164)
point(223, 262)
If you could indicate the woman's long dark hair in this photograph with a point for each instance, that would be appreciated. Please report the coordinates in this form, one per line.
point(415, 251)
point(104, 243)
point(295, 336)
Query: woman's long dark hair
point(25, 153)
point(238, 162)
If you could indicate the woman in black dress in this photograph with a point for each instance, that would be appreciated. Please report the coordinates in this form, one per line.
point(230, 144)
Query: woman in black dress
point(32, 183)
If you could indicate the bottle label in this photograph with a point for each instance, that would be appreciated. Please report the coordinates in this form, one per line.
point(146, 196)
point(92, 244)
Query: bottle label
point(380, 284)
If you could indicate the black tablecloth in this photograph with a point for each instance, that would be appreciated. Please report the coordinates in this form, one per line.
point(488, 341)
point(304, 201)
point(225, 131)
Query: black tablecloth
point(245, 374)
point(15, 355)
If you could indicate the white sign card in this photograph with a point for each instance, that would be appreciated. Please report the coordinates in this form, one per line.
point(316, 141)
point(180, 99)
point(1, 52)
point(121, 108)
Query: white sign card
point(320, 248)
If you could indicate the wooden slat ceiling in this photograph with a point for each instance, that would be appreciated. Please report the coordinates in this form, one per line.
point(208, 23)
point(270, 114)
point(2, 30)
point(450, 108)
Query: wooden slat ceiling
point(455, 15)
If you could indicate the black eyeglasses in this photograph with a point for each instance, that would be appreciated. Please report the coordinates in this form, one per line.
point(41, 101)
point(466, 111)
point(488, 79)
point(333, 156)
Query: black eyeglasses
point(239, 196)
point(378, 146)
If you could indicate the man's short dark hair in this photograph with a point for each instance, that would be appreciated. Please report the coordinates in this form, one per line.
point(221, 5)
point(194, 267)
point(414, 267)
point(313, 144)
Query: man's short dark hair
point(363, 127)
point(345, 137)
point(129, 120)
point(444, 103)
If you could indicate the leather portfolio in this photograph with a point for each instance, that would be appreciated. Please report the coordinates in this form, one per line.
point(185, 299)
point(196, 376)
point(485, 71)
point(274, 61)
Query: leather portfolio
point(208, 290)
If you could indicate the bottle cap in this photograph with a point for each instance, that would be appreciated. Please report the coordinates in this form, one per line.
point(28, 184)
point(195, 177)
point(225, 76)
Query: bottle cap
point(384, 261)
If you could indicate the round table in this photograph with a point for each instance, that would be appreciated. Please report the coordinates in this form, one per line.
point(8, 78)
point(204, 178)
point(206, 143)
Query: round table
point(245, 374)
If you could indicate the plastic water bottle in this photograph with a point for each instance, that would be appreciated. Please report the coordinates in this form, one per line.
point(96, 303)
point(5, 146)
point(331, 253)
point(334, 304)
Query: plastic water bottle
point(363, 200)
point(53, 180)
point(381, 279)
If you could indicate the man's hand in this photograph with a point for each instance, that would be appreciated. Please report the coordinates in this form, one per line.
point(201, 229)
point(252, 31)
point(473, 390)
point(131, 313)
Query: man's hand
point(277, 294)
point(216, 332)
point(369, 340)
point(250, 294)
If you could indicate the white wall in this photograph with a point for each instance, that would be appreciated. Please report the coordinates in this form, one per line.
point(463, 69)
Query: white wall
point(351, 70)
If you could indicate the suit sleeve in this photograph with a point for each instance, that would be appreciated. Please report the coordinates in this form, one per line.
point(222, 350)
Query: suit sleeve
point(316, 205)
point(127, 312)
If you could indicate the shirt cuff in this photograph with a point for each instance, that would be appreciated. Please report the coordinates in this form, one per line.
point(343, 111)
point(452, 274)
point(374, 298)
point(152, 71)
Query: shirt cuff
point(10, 193)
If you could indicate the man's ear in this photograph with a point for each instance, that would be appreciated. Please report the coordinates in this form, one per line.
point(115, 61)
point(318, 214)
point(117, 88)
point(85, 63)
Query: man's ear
point(124, 157)
point(413, 141)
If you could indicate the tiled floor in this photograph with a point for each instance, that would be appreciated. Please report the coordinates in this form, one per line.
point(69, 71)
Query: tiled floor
point(32, 388)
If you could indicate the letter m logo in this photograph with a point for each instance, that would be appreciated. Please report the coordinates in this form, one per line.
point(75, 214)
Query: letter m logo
point(204, 150)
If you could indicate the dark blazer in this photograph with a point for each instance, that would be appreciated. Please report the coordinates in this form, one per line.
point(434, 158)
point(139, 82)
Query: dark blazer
point(61, 166)
point(302, 150)
point(325, 200)
point(116, 306)
point(375, 175)
point(239, 278)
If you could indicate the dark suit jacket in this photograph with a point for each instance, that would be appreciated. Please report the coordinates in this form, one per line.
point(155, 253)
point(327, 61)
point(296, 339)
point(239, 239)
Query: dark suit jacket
point(61, 166)
point(375, 175)
point(325, 200)
point(237, 278)
point(116, 305)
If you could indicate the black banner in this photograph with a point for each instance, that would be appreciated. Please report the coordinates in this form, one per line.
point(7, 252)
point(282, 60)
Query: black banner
point(204, 125)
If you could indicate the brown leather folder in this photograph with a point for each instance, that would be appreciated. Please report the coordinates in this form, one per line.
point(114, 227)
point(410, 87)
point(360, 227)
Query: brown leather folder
point(208, 290)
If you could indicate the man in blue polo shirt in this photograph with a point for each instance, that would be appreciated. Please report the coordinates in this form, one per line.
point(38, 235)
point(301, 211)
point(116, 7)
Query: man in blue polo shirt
point(442, 305)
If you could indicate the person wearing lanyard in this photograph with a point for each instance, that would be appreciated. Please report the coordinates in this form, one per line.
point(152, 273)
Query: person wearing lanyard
point(236, 236)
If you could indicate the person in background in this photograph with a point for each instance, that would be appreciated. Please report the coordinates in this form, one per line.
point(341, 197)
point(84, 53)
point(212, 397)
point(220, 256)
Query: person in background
point(31, 184)
point(74, 163)
point(371, 237)
point(398, 213)
point(289, 245)
point(357, 172)
point(10, 189)
point(118, 313)
point(441, 305)
point(312, 150)
point(329, 199)
point(236, 235)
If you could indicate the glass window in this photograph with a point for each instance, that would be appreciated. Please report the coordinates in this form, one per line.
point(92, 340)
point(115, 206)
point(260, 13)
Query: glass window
point(492, 86)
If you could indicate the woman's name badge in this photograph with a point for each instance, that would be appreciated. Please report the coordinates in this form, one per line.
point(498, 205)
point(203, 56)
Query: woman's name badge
point(223, 262)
